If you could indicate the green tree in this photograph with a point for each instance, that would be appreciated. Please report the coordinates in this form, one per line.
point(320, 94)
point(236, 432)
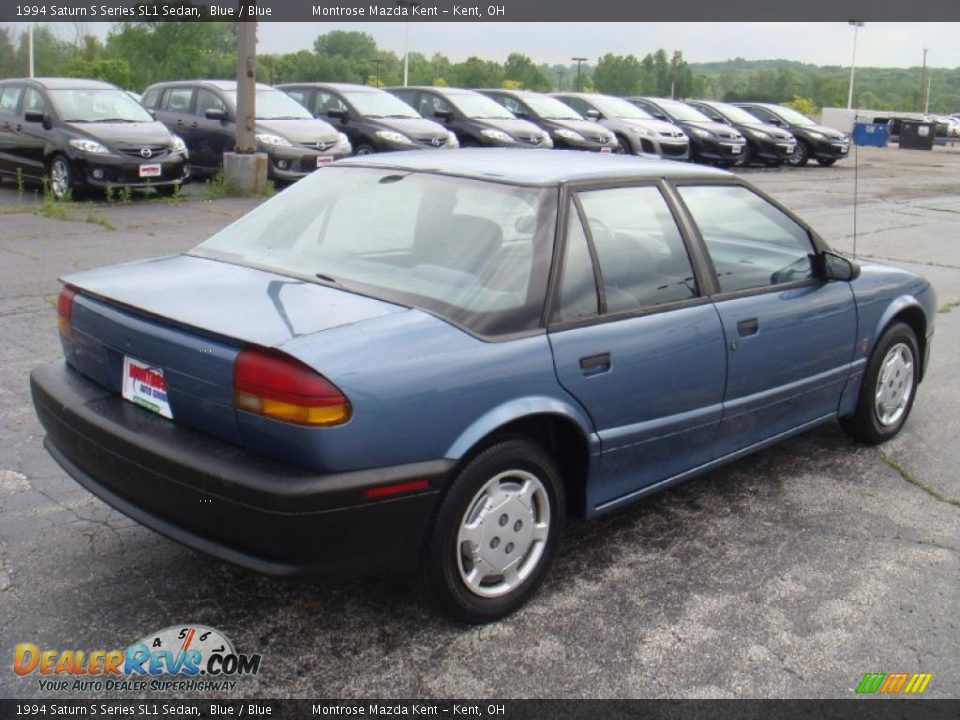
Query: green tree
point(520, 69)
point(619, 75)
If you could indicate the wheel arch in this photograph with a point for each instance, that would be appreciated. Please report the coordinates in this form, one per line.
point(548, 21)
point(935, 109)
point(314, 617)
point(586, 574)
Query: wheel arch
point(908, 310)
point(561, 429)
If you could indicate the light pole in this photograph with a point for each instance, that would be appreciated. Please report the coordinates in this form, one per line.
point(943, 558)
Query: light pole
point(406, 40)
point(924, 90)
point(853, 62)
point(30, 46)
point(579, 61)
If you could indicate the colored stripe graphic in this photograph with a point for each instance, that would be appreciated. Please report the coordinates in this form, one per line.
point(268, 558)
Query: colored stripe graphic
point(870, 683)
point(918, 683)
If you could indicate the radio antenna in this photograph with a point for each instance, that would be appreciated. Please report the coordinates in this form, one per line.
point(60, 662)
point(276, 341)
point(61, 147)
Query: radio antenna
point(856, 175)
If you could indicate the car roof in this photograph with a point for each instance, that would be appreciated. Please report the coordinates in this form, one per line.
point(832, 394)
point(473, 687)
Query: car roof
point(57, 83)
point(535, 167)
point(218, 84)
point(346, 87)
point(509, 91)
point(440, 89)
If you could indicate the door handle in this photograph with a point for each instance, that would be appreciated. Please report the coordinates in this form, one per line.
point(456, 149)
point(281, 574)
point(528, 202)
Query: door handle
point(194, 125)
point(748, 327)
point(179, 122)
point(595, 364)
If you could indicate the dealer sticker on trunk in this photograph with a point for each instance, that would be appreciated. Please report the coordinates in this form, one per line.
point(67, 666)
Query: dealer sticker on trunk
point(145, 386)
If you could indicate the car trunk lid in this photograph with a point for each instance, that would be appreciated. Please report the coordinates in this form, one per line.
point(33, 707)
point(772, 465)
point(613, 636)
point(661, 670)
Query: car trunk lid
point(152, 313)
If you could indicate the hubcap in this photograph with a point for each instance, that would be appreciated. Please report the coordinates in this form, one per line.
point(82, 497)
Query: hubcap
point(365, 151)
point(59, 178)
point(894, 384)
point(503, 533)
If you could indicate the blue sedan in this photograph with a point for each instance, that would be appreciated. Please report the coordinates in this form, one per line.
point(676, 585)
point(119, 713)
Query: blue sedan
point(426, 362)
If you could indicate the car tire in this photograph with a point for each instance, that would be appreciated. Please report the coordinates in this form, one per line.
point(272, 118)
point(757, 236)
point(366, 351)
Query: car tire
point(59, 178)
point(801, 156)
point(826, 162)
point(364, 149)
point(888, 388)
point(746, 157)
point(623, 146)
point(471, 539)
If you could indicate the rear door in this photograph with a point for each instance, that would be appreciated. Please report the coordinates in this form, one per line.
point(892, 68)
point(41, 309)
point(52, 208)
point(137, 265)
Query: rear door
point(9, 103)
point(635, 341)
point(789, 334)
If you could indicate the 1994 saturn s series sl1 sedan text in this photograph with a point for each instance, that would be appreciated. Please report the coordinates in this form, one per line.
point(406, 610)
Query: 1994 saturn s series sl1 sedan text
point(427, 360)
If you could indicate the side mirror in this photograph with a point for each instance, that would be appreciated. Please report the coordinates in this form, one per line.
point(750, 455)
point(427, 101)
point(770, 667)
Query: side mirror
point(446, 115)
point(33, 116)
point(593, 114)
point(337, 114)
point(837, 267)
point(775, 121)
point(215, 114)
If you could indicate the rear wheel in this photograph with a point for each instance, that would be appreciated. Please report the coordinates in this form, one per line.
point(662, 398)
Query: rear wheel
point(888, 387)
point(496, 532)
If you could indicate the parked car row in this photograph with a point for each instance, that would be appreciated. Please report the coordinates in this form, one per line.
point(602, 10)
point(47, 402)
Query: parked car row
point(77, 134)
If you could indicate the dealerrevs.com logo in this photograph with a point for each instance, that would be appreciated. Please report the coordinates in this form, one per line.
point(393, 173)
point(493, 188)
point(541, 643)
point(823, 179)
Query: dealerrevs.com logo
point(182, 657)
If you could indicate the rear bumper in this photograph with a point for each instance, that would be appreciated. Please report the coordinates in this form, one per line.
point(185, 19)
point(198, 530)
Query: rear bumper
point(269, 517)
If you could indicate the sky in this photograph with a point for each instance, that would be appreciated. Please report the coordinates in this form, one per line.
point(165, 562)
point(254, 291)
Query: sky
point(878, 44)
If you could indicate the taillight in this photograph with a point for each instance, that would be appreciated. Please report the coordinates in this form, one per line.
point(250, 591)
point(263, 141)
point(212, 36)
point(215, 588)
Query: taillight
point(273, 384)
point(64, 308)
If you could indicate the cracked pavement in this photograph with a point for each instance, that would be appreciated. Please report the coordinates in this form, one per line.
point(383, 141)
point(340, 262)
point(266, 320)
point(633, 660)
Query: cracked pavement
point(787, 574)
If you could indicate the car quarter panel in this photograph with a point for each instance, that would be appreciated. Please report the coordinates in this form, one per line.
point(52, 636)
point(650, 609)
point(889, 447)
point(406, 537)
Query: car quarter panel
point(421, 389)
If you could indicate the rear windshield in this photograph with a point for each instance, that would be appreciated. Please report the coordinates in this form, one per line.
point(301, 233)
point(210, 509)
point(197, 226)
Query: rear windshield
point(473, 252)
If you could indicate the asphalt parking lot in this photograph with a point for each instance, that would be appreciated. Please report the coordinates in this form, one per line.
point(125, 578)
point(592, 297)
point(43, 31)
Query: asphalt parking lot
point(790, 573)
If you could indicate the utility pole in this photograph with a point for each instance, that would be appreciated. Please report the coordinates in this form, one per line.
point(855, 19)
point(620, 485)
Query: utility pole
point(923, 77)
point(246, 87)
point(559, 80)
point(926, 104)
point(245, 169)
point(579, 61)
point(853, 61)
point(30, 46)
point(673, 73)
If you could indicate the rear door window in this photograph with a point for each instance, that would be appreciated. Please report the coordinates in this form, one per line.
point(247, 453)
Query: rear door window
point(9, 97)
point(643, 259)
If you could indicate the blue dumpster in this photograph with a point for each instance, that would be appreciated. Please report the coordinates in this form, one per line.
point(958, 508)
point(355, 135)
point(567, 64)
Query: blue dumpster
point(874, 134)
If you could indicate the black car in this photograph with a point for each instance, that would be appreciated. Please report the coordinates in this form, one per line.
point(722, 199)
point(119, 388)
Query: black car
point(818, 142)
point(710, 142)
point(637, 131)
point(475, 119)
point(373, 119)
point(766, 143)
point(204, 112)
point(78, 134)
point(567, 128)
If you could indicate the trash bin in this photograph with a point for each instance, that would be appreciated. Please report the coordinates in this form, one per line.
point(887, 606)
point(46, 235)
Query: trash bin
point(916, 135)
point(874, 134)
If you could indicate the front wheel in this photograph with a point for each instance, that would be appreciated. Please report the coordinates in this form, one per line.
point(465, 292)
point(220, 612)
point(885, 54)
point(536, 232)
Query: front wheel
point(801, 156)
point(623, 146)
point(888, 388)
point(746, 156)
point(826, 162)
point(59, 177)
point(496, 532)
point(364, 149)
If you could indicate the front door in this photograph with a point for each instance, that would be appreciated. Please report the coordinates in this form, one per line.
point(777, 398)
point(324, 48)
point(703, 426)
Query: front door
point(644, 355)
point(790, 334)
